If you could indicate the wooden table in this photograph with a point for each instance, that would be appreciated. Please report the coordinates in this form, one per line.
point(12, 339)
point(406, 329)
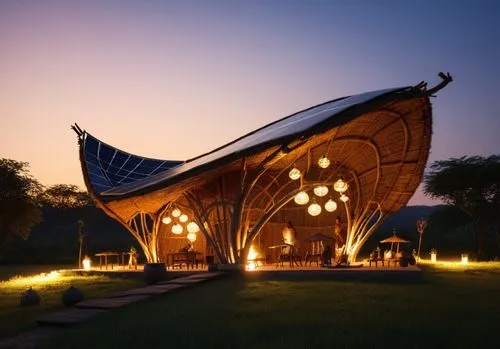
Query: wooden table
point(107, 254)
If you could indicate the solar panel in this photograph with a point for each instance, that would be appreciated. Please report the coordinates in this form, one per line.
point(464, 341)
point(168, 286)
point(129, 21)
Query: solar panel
point(137, 173)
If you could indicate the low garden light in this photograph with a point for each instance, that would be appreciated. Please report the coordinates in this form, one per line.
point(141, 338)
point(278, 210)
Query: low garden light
point(323, 162)
point(330, 205)
point(294, 173)
point(320, 190)
point(465, 258)
point(166, 220)
point(301, 198)
point(86, 263)
point(433, 256)
point(177, 229)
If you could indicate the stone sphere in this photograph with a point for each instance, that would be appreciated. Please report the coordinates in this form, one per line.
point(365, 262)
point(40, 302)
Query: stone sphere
point(30, 297)
point(72, 296)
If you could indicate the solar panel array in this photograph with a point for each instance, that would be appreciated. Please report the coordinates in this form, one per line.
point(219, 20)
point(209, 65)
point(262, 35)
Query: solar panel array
point(108, 167)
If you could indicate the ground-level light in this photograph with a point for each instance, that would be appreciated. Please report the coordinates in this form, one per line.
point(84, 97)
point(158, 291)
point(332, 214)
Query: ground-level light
point(433, 256)
point(86, 263)
point(465, 258)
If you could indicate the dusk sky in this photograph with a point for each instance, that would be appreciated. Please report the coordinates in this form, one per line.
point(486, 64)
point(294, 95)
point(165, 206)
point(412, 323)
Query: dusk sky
point(174, 79)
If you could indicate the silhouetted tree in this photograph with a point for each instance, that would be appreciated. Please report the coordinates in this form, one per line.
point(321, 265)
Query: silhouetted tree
point(472, 185)
point(19, 210)
point(64, 196)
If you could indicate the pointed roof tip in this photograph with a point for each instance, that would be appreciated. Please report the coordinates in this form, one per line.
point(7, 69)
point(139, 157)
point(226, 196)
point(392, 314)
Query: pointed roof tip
point(77, 129)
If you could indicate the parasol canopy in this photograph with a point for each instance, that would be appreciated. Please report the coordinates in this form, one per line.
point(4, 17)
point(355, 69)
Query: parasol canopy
point(394, 239)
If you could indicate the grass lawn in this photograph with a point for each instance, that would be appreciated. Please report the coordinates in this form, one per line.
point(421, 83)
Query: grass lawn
point(14, 318)
point(449, 308)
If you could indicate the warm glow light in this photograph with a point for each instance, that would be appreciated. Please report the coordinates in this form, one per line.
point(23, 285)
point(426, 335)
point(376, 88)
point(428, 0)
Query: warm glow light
point(86, 263)
point(433, 257)
point(28, 281)
point(314, 209)
point(340, 186)
point(166, 220)
point(320, 190)
point(176, 212)
point(330, 205)
point(323, 162)
point(183, 218)
point(465, 258)
point(301, 198)
point(294, 173)
point(252, 255)
point(191, 237)
point(344, 198)
point(192, 227)
point(177, 229)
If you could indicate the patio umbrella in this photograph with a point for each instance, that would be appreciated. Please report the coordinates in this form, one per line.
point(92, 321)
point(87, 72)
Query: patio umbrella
point(394, 240)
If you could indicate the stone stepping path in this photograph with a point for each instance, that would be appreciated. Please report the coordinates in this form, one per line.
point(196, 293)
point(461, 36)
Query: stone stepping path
point(68, 317)
point(52, 323)
point(29, 340)
point(110, 303)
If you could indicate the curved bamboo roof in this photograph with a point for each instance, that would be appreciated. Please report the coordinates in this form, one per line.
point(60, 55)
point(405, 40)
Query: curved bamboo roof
point(379, 141)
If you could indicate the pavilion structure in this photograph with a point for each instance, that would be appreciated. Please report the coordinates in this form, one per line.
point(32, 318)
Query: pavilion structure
point(338, 168)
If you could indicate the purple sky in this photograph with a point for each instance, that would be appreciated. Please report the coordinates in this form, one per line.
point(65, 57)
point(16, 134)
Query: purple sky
point(174, 79)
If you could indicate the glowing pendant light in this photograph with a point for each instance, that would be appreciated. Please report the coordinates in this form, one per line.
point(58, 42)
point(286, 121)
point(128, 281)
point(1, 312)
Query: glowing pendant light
point(330, 205)
point(301, 198)
point(192, 227)
point(320, 190)
point(344, 198)
point(323, 162)
point(340, 186)
point(176, 212)
point(166, 220)
point(191, 237)
point(294, 173)
point(314, 209)
point(177, 229)
point(183, 218)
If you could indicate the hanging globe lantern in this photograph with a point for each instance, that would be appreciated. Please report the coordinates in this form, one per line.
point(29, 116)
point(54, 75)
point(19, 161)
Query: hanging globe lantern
point(191, 237)
point(323, 162)
point(340, 186)
point(176, 212)
point(294, 173)
point(166, 220)
point(177, 229)
point(330, 205)
point(320, 190)
point(314, 209)
point(183, 218)
point(344, 198)
point(192, 227)
point(301, 198)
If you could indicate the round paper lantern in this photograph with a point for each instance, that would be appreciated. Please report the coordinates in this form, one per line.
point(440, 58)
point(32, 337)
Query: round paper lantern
point(183, 218)
point(320, 190)
point(177, 229)
point(192, 227)
point(301, 198)
point(191, 237)
point(294, 173)
point(176, 212)
point(314, 209)
point(340, 186)
point(344, 198)
point(166, 220)
point(330, 205)
point(323, 162)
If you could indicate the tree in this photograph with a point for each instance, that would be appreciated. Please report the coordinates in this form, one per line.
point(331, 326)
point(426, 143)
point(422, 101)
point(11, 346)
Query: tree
point(472, 185)
point(64, 196)
point(19, 210)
